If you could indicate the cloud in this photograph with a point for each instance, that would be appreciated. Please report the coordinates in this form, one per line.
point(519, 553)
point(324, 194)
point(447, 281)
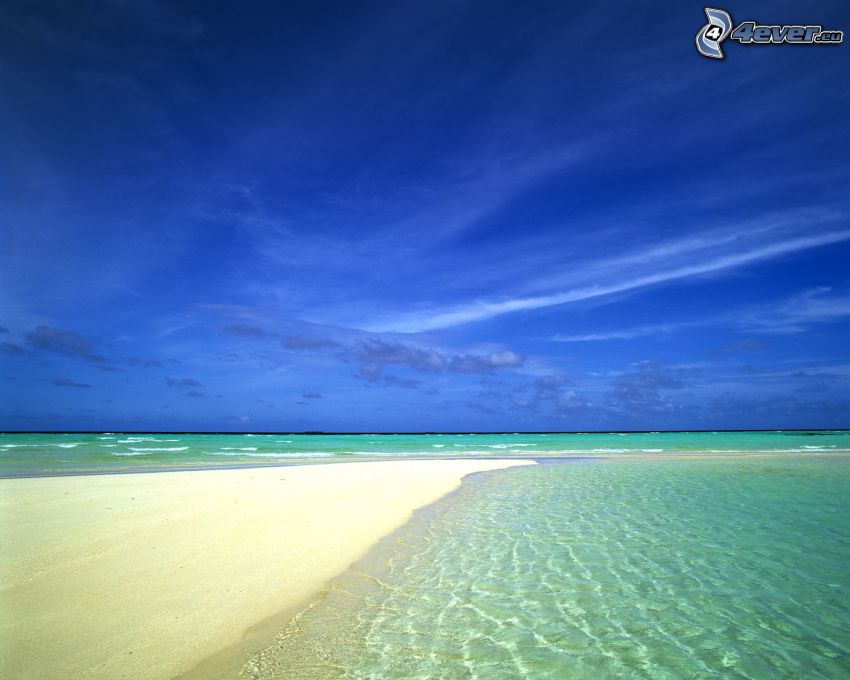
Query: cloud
point(296, 342)
point(629, 333)
point(640, 391)
point(813, 388)
point(746, 346)
point(649, 375)
point(370, 372)
point(307, 394)
point(701, 256)
point(552, 389)
point(505, 358)
point(546, 393)
point(811, 376)
point(785, 316)
point(476, 363)
point(11, 348)
point(794, 314)
point(782, 410)
point(373, 351)
point(182, 382)
point(144, 362)
point(571, 401)
point(66, 343)
point(551, 381)
point(373, 373)
point(290, 342)
point(245, 330)
point(194, 393)
point(67, 382)
point(405, 383)
point(635, 400)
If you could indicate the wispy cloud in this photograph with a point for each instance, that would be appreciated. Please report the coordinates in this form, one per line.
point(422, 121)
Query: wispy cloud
point(795, 314)
point(182, 382)
point(627, 333)
point(11, 348)
point(67, 382)
point(299, 342)
point(709, 262)
point(67, 343)
point(745, 346)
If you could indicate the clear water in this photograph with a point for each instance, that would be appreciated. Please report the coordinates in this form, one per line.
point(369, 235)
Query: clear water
point(610, 569)
point(27, 454)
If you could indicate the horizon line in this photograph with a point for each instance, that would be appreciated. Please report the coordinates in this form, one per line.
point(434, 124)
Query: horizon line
point(424, 432)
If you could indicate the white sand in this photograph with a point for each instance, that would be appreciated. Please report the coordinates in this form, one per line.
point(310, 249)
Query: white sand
point(146, 575)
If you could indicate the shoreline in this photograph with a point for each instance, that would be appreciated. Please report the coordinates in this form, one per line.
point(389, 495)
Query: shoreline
point(105, 573)
point(228, 662)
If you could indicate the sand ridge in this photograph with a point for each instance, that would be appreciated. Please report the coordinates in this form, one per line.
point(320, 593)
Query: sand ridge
point(146, 575)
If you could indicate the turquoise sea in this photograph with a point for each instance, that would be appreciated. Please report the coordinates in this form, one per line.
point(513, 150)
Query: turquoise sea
point(34, 454)
point(733, 568)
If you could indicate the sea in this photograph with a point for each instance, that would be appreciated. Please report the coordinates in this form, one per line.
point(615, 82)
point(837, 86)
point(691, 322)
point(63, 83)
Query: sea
point(29, 454)
point(656, 569)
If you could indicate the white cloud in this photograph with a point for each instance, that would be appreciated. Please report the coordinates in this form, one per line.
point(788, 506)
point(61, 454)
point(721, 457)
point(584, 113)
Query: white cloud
point(794, 314)
point(789, 315)
point(706, 263)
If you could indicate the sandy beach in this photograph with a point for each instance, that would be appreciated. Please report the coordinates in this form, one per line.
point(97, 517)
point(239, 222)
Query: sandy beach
point(147, 575)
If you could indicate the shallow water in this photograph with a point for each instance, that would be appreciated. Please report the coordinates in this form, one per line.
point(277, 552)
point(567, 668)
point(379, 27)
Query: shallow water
point(27, 454)
point(653, 569)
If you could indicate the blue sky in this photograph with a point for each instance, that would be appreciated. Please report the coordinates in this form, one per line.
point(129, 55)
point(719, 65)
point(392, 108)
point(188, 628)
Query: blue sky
point(420, 216)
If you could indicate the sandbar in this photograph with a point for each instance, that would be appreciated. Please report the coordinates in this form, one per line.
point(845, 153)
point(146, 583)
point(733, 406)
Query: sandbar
point(144, 576)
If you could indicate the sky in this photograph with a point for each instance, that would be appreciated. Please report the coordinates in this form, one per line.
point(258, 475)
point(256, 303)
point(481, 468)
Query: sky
point(420, 216)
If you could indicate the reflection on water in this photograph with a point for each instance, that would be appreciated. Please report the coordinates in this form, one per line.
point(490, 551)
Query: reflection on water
point(659, 569)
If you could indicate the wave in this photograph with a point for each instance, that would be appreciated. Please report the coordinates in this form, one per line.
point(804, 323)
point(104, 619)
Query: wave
point(139, 440)
point(273, 454)
point(238, 448)
point(160, 448)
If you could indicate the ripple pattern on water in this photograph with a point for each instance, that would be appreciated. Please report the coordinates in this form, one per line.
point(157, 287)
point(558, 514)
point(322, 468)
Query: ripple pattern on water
point(660, 569)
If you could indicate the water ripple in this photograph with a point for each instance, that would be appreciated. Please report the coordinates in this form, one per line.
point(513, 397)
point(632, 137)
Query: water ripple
point(662, 569)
